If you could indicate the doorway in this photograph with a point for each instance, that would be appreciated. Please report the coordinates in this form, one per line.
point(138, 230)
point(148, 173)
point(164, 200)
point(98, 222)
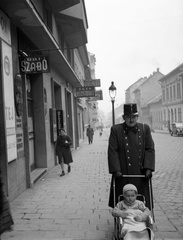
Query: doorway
point(31, 133)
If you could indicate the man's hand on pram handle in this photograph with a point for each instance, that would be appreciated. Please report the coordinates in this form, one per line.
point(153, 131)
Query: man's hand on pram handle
point(148, 173)
point(117, 174)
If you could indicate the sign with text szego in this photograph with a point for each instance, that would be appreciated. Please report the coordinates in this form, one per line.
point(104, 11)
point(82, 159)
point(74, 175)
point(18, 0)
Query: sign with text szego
point(85, 91)
point(37, 64)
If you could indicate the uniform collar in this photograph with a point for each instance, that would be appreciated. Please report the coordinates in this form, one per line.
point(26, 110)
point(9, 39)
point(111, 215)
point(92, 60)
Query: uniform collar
point(130, 129)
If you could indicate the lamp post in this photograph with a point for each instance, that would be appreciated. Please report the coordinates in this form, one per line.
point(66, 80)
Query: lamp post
point(112, 94)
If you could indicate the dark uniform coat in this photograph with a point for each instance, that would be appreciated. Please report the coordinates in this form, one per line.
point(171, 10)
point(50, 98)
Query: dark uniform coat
point(130, 151)
point(63, 149)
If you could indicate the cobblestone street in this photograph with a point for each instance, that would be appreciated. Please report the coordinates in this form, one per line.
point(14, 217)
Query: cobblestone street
point(167, 182)
point(76, 205)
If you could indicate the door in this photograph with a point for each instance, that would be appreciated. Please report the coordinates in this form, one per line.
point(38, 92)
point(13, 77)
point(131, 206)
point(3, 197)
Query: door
point(30, 103)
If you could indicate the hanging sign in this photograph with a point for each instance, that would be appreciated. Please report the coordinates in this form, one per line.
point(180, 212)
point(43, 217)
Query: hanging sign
point(37, 64)
point(92, 82)
point(85, 91)
point(98, 96)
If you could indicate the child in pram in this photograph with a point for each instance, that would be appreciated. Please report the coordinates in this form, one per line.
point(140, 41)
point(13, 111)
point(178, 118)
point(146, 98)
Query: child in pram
point(134, 214)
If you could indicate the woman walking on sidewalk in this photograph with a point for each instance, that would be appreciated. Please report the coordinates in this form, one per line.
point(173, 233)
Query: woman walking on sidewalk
point(63, 151)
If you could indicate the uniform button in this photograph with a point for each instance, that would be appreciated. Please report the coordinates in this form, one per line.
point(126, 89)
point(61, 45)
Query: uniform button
point(139, 150)
point(125, 137)
point(128, 157)
point(126, 144)
point(139, 143)
point(129, 164)
point(139, 157)
point(139, 136)
point(128, 150)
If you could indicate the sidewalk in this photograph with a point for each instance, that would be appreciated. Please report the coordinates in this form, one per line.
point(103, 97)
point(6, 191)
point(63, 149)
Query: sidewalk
point(75, 207)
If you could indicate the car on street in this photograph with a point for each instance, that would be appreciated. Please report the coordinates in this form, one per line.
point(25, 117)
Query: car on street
point(176, 129)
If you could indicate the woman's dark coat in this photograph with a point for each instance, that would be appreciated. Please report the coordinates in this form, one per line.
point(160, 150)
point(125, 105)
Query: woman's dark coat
point(63, 149)
point(131, 152)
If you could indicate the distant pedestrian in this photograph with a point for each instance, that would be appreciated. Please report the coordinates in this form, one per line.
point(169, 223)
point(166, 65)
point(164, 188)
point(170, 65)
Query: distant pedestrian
point(89, 134)
point(63, 151)
point(6, 220)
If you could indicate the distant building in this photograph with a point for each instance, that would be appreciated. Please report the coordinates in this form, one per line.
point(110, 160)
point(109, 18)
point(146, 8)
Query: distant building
point(129, 93)
point(172, 96)
point(155, 113)
point(148, 90)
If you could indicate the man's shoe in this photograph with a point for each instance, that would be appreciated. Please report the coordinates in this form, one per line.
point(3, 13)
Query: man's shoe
point(69, 168)
point(62, 174)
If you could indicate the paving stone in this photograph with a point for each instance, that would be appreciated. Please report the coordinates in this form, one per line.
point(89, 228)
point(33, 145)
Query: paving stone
point(75, 207)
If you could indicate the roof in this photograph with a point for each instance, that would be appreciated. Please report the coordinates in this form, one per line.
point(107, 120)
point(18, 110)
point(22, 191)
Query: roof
point(173, 72)
point(155, 100)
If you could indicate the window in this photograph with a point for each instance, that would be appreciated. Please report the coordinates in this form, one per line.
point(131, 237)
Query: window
point(170, 92)
point(164, 115)
point(179, 115)
point(163, 95)
point(175, 114)
point(178, 90)
point(167, 94)
point(174, 92)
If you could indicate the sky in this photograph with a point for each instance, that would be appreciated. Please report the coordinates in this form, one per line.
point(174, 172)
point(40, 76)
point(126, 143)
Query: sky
point(131, 39)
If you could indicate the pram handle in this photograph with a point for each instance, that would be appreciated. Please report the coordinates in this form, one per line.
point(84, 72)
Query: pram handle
point(141, 176)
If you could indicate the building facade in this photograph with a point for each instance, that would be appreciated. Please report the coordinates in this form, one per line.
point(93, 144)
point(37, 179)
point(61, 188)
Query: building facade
point(155, 113)
point(147, 91)
point(172, 97)
point(43, 60)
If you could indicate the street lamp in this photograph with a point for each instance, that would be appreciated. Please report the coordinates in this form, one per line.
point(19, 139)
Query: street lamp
point(112, 94)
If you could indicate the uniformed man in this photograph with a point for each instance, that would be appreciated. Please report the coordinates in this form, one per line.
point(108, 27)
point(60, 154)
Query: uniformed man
point(131, 152)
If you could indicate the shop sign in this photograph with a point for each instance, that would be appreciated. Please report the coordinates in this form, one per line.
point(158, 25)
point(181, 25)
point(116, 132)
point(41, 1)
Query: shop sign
point(53, 125)
point(9, 105)
point(18, 94)
point(98, 96)
point(39, 64)
point(60, 122)
point(85, 91)
point(5, 28)
point(92, 82)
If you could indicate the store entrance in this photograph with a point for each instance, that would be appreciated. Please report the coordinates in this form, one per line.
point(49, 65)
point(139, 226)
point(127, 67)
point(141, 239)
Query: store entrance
point(30, 104)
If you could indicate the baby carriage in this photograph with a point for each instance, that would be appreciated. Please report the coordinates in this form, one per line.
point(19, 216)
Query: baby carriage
point(119, 222)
